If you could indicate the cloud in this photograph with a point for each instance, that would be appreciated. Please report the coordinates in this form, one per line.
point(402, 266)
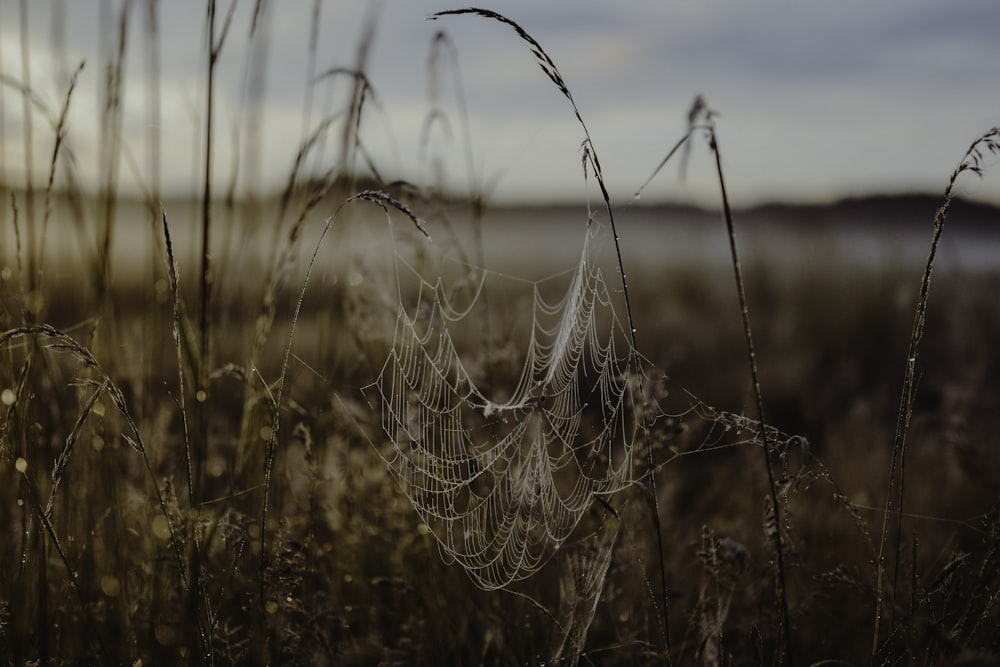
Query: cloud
point(817, 100)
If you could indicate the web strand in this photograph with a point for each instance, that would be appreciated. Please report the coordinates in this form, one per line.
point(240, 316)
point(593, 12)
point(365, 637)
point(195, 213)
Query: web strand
point(502, 461)
point(503, 482)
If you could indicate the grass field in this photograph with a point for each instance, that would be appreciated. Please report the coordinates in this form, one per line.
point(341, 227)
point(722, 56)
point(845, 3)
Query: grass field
point(208, 454)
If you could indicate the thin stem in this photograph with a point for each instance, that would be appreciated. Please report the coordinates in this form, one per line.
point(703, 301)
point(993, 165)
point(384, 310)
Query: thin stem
point(548, 66)
point(971, 161)
point(29, 167)
point(758, 397)
point(206, 207)
point(385, 202)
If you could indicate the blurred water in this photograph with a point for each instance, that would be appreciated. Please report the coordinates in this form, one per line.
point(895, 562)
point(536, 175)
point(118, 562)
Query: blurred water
point(528, 243)
point(652, 238)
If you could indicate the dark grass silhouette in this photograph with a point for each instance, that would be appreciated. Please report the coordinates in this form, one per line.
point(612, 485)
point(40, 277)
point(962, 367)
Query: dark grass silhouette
point(186, 472)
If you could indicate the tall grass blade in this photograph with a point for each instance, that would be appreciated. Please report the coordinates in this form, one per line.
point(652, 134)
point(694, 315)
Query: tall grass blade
point(590, 157)
point(972, 161)
point(783, 613)
point(58, 145)
point(702, 118)
point(385, 202)
point(29, 149)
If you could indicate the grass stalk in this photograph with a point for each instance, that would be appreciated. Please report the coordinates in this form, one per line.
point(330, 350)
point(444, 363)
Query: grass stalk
point(153, 117)
point(196, 594)
point(385, 202)
point(311, 65)
point(112, 119)
point(60, 136)
point(206, 278)
point(591, 158)
point(783, 614)
point(29, 165)
point(700, 111)
point(177, 330)
point(443, 49)
point(60, 341)
point(168, 494)
point(350, 139)
point(4, 184)
point(205, 273)
point(972, 161)
point(29, 255)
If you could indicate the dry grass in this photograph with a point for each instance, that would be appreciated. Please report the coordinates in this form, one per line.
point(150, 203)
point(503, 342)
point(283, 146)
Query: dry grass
point(187, 470)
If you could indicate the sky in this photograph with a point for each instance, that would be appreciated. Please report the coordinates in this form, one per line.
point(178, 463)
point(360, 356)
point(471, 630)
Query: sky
point(815, 101)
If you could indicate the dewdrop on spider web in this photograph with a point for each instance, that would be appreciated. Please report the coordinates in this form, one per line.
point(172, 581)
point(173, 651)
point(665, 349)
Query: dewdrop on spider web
point(502, 483)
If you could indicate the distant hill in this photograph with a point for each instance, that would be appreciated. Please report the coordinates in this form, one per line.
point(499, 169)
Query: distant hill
point(906, 210)
point(910, 211)
point(882, 209)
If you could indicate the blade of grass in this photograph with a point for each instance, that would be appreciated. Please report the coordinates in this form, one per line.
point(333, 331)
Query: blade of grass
point(590, 156)
point(29, 167)
point(60, 131)
point(111, 131)
point(972, 161)
point(759, 400)
point(700, 117)
point(385, 202)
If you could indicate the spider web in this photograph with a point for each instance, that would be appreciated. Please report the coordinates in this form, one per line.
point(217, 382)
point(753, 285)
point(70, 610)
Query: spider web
point(503, 481)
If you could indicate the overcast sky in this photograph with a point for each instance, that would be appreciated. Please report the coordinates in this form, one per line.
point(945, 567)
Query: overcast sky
point(816, 100)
